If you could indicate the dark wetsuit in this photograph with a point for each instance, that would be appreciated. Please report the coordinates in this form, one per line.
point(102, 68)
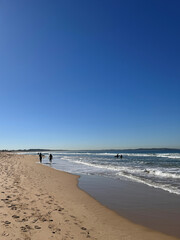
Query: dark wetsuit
point(40, 157)
point(50, 157)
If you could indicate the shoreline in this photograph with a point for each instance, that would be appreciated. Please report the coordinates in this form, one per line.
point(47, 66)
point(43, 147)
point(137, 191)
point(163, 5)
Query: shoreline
point(141, 204)
point(38, 202)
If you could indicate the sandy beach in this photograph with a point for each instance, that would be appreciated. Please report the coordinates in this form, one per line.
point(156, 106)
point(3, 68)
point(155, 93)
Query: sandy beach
point(38, 202)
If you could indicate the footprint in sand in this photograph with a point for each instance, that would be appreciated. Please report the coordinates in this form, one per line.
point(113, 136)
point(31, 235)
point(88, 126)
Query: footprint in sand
point(6, 223)
point(25, 228)
point(35, 220)
point(15, 216)
point(37, 227)
point(43, 219)
point(24, 220)
point(5, 234)
point(83, 228)
point(51, 226)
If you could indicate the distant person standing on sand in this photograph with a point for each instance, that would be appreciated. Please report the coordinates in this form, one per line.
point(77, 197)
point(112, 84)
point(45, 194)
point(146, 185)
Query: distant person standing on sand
point(40, 157)
point(50, 158)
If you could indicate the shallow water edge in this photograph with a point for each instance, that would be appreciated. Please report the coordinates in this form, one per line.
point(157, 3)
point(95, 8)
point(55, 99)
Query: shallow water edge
point(141, 204)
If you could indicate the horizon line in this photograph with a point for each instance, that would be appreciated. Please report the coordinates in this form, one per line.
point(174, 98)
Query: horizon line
point(102, 149)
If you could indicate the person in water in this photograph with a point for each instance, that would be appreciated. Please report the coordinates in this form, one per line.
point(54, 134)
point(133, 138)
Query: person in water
point(118, 156)
point(50, 158)
point(40, 157)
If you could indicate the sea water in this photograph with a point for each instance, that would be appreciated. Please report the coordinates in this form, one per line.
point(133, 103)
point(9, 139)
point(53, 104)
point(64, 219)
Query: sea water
point(155, 168)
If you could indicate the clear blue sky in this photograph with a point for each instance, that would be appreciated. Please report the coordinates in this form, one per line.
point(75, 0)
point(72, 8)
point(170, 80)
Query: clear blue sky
point(78, 74)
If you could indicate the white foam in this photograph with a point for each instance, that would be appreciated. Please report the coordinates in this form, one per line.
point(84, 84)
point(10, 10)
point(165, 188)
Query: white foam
point(123, 171)
point(139, 154)
point(165, 174)
point(132, 170)
point(164, 187)
point(169, 155)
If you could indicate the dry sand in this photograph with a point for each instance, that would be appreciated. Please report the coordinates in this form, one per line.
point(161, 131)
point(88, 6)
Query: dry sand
point(38, 202)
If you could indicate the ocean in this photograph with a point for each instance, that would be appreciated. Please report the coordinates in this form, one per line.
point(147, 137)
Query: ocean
point(155, 168)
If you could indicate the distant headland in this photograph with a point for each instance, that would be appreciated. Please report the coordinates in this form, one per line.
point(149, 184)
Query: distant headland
point(116, 150)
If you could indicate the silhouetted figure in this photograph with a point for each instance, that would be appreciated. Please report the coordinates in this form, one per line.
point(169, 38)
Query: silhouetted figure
point(121, 156)
point(117, 156)
point(40, 157)
point(50, 158)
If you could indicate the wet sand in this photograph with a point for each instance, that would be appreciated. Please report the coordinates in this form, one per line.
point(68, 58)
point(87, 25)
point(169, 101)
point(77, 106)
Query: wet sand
point(38, 202)
point(144, 205)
